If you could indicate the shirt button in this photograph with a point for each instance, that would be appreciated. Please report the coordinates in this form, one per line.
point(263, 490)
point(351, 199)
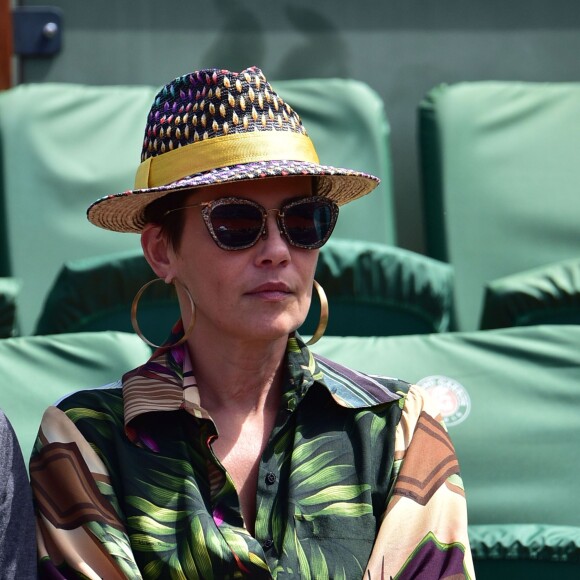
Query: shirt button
point(271, 478)
point(268, 544)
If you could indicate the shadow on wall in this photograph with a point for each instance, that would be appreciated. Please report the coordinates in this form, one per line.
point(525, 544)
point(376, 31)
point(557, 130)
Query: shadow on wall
point(320, 37)
point(241, 43)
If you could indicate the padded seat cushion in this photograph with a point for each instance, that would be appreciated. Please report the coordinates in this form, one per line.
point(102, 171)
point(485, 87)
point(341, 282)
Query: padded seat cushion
point(373, 289)
point(96, 294)
point(546, 295)
point(531, 542)
point(36, 371)
point(533, 552)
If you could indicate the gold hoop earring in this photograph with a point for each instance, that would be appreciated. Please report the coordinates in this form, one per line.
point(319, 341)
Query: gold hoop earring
point(135, 324)
point(323, 322)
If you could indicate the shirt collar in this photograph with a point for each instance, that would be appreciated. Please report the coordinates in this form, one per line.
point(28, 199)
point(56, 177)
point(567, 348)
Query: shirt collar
point(349, 388)
point(166, 382)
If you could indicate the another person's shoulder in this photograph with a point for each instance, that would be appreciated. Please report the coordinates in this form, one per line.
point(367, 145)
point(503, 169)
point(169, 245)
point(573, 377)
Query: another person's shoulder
point(17, 543)
point(5, 427)
point(7, 434)
point(10, 453)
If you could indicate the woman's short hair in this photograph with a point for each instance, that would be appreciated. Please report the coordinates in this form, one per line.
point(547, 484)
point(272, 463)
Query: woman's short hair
point(171, 224)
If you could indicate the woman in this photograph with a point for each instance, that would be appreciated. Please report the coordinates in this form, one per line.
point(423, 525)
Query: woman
point(234, 452)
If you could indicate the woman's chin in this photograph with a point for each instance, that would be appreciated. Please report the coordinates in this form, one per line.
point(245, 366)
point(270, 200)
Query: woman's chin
point(273, 330)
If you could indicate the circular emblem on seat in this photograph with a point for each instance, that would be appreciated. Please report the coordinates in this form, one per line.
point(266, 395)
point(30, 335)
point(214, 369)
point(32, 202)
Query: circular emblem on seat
point(451, 397)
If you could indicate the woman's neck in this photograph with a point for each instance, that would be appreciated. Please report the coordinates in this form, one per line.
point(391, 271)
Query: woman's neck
point(237, 374)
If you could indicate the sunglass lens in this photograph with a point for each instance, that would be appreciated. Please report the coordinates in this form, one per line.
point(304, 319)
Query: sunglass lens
point(309, 223)
point(236, 225)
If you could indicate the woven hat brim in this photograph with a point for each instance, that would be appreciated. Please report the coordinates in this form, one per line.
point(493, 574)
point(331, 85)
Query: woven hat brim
point(124, 212)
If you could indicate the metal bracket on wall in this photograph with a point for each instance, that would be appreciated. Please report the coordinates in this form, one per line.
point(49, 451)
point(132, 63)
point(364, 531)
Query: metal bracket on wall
point(36, 30)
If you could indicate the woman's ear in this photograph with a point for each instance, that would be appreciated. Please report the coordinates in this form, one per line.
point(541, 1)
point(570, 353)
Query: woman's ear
point(158, 252)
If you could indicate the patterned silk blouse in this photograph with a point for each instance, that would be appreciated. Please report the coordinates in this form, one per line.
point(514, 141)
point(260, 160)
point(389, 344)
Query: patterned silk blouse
point(359, 479)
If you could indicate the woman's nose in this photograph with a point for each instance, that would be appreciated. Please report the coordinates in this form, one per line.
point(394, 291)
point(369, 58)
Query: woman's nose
point(273, 246)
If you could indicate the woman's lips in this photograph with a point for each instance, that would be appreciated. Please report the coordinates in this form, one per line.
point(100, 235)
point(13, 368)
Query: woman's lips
point(274, 291)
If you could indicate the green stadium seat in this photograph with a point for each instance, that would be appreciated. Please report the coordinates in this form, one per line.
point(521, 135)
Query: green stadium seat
point(379, 290)
point(95, 294)
point(372, 288)
point(546, 295)
point(500, 166)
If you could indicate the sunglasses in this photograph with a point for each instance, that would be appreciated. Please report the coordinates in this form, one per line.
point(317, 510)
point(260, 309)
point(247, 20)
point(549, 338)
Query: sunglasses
point(236, 223)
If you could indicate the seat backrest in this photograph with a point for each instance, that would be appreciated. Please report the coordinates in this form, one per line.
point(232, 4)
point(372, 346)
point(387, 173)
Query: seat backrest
point(96, 294)
point(36, 371)
point(546, 295)
point(372, 289)
point(379, 290)
point(510, 398)
point(500, 168)
point(63, 145)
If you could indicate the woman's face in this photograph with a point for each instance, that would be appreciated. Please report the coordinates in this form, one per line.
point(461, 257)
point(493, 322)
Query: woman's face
point(260, 293)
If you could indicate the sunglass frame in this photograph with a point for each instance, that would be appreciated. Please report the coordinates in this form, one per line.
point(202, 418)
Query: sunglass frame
point(209, 206)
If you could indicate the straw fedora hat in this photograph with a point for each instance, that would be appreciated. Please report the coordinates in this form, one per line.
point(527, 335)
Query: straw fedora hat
point(215, 126)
